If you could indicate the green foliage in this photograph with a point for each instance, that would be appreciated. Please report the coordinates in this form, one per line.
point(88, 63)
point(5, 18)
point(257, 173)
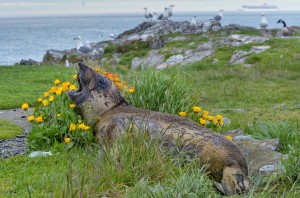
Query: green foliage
point(9, 129)
point(154, 90)
point(55, 120)
point(110, 48)
point(286, 132)
point(134, 45)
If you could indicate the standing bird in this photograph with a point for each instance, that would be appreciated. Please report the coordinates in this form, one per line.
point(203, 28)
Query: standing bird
point(165, 15)
point(67, 64)
point(285, 31)
point(83, 47)
point(219, 16)
point(154, 18)
point(263, 21)
point(147, 15)
point(194, 22)
point(170, 11)
point(79, 42)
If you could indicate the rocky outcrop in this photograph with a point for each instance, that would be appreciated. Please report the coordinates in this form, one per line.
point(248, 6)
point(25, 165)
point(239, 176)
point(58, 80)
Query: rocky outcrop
point(261, 155)
point(180, 57)
point(28, 62)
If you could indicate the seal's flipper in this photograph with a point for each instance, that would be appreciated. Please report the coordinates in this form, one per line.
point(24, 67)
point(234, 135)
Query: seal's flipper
point(220, 187)
point(234, 181)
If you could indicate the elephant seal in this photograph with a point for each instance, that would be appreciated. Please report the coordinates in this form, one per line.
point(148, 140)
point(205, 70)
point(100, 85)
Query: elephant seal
point(103, 107)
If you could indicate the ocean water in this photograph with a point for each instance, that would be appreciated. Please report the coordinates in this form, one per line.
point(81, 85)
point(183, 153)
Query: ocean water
point(24, 38)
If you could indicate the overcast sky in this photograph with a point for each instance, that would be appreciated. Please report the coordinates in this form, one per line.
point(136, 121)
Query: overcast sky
point(11, 8)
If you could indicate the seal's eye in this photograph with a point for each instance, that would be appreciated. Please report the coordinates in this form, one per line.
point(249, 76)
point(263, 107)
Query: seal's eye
point(103, 83)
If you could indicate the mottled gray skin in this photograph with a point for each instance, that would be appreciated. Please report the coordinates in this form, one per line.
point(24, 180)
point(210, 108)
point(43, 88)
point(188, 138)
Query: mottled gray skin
point(103, 107)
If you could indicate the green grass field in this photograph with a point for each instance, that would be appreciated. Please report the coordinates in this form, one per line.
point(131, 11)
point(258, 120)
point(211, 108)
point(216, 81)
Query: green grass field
point(263, 100)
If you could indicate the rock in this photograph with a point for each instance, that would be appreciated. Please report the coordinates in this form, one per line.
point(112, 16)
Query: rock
point(205, 46)
point(261, 155)
point(175, 59)
point(198, 56)
point(215, 61)
point(177, 38)
point(259, 49)
point(136, 63)
point(153, 58)
point(156, 43)
point(28, 62)
point(239, 57)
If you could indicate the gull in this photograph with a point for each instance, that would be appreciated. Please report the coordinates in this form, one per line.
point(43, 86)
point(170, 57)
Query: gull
point(263, 21)
point(170, 11)
point(219, 16)
point(67, 64)
point(165, 15)
point(193, 21)
point(79, 42)
point(147, 15)
point(81, 47)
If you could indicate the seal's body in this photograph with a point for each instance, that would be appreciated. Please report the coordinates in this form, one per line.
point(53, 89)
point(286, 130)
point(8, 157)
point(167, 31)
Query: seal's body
point(103, 106)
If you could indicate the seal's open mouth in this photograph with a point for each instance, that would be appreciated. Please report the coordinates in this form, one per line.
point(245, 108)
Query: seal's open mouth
point(78, 96)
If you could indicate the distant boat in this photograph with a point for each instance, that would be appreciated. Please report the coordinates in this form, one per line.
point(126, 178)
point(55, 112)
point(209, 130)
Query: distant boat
point(264, 7)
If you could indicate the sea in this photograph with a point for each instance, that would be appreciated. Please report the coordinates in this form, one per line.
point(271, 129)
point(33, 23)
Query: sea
point(30, 37)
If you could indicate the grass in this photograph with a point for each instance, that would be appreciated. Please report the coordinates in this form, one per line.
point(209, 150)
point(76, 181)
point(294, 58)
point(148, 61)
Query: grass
point(20, 84)
point(263, 100)
point(9, 129)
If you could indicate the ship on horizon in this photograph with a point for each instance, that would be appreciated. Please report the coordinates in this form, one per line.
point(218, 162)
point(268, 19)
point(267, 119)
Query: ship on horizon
point(264, 7)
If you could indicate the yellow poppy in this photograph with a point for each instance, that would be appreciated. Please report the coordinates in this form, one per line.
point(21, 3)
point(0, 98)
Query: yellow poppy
point(98, 69)
point(182, 114)
point(72, 127)
point(72, 87)
point(196, 109)
point(56, 82)
point(45, 103)
point(51, 98)
point(131, 90)
point(46, 94)
point(25, 106)
point(72, 105)
point(67, 140)
point(53, 89)
point(202, 121)
point(39, 99)
point(30, 118)
point(39, 119)
point(83, 127)
point(58, 91)
point(228, 137)
point(75, 76)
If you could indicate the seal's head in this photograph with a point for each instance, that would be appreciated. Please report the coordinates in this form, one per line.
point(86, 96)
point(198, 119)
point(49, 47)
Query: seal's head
point(96, 94)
